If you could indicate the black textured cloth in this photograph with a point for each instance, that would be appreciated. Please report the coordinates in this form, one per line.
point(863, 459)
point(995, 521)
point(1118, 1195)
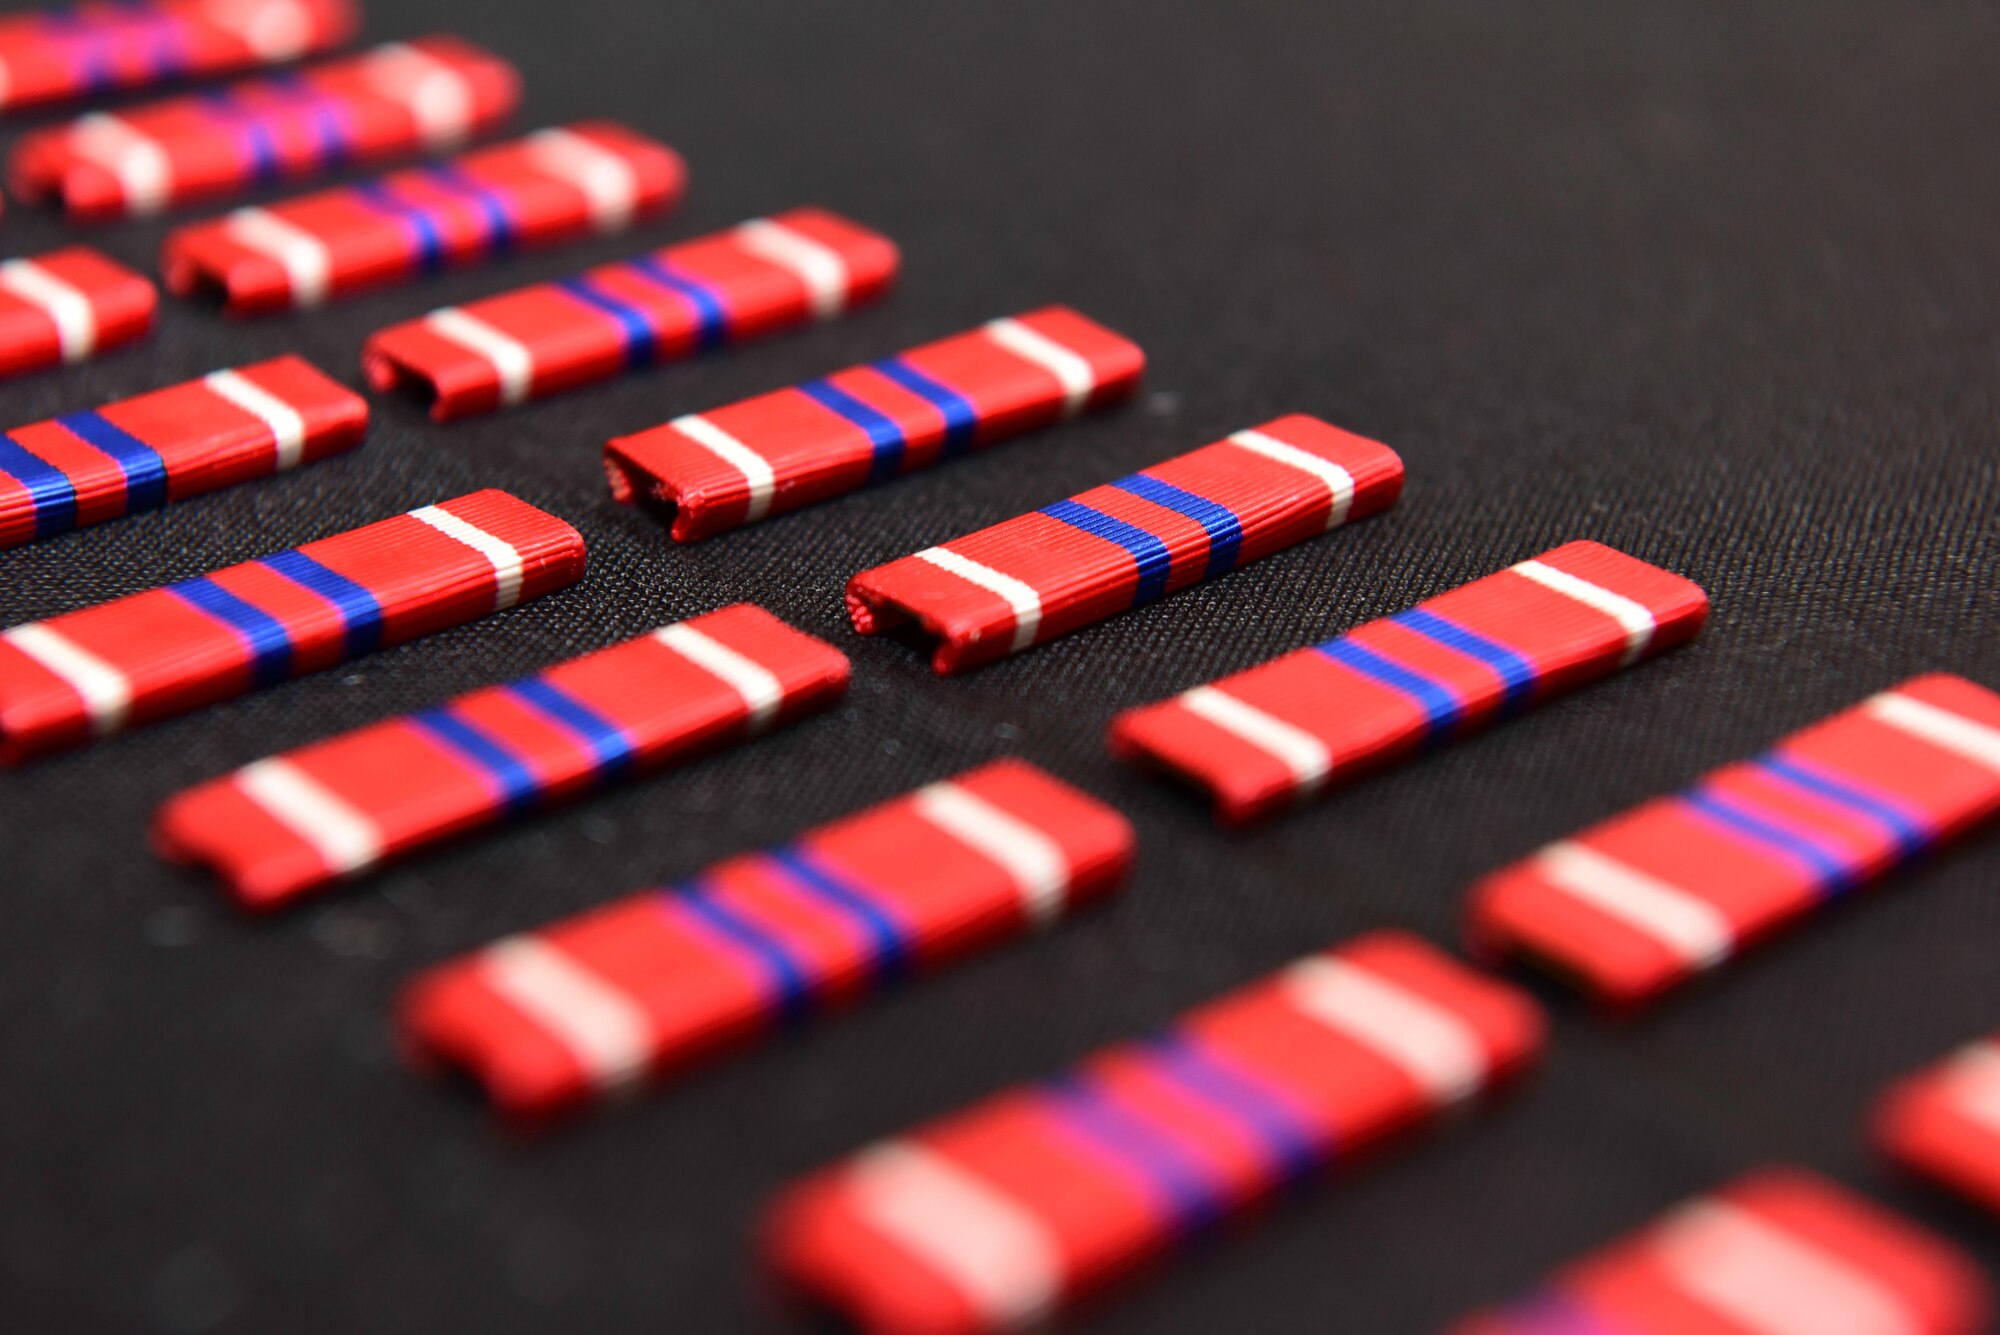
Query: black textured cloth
point(1716, 283)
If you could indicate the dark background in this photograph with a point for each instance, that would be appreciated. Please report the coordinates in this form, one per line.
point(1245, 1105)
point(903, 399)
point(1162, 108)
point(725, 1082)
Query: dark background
point(1716, 283)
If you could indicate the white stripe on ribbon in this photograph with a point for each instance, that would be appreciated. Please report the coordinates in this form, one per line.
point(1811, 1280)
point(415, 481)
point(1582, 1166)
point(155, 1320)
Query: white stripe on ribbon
point(1306, 756)
point(1434, 1047)
point(995, 1253)
point(343, 836)
point(438, 97)
point(65, 304)
point(106, 691)
point(276, 30)
point(1634, 616)
point(1687, 925)
point(1973, 1073)
point(1070, 369)
point(307, 263)
point(1769, 1280)
point(286, 425)
point(1945, 728)
point(756, 469)
point(513, 365)
point(144, 172)
point(760, 688)
point(1027, 604)
point(1033, 861)
point(605, 178)
point(1339, 482)
point(818, 266)
point(502, 555)
point(607, 1032)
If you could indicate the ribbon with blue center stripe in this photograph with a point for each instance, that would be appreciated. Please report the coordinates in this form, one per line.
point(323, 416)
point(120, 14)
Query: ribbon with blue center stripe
point(1155, 562)
point(145, 471)
point(360, 612)
point(1293, 1150)
point(785, 974)
point(515, 780)
point(1831, 866)
point(1195, 1201)
point(269, 643)
point(889, 940)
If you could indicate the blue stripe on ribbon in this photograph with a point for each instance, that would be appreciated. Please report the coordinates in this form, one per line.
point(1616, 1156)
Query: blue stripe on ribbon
point(1224, 529)
point(166, 46)
point(1192, 1196)
point(270, 644)
point(711, 315)
point(423, 227)
point(1440, 704)
point(1155, 561)
point(612, 750)
point(89, 46)
point(789, 992)
point(1295, 1149)
point(518, 785)
point(1517, 674)
point(360, 612)
point(885, 438)
point(892, 945)
point(325, 113)
point(49, 488)
point(259, 142)
point(1830, 866)
point(642, 341)
point(145, 471)
point(494, 204)
point(961, 420)
point(1911, 831)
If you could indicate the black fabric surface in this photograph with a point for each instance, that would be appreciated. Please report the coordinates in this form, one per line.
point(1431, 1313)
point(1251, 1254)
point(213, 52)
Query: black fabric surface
point(1715, 283)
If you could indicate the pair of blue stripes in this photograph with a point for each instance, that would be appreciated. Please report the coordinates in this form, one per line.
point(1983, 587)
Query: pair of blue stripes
point(1833, 866)
point(1195, 1199)
point(887, 440)
point(1442, 704)
point(1155, 561)
point(294, 94)
point(422, 222)
point(789, 977)
point(91, 37)
point(266, 637)
point(612, 751)
point(54, 495)
point(636, 323)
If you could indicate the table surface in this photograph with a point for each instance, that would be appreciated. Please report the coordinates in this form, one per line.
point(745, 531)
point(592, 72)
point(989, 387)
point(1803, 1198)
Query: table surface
point(1716, 283)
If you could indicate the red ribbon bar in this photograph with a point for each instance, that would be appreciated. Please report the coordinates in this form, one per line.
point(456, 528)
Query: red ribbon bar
point(555, 1019)
point(1780, 1252)
point(1054, 570)
point(92, 49)
point(1265, 737)
point(756, 278)
point(288, 825)
point(428, 95)
point(140, 453)
point(1633, 907)
point(169, 650)
point(1944, 1123)
point(547, 187)
point(990, 1219)
point(68, 305)
point(716, 471)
